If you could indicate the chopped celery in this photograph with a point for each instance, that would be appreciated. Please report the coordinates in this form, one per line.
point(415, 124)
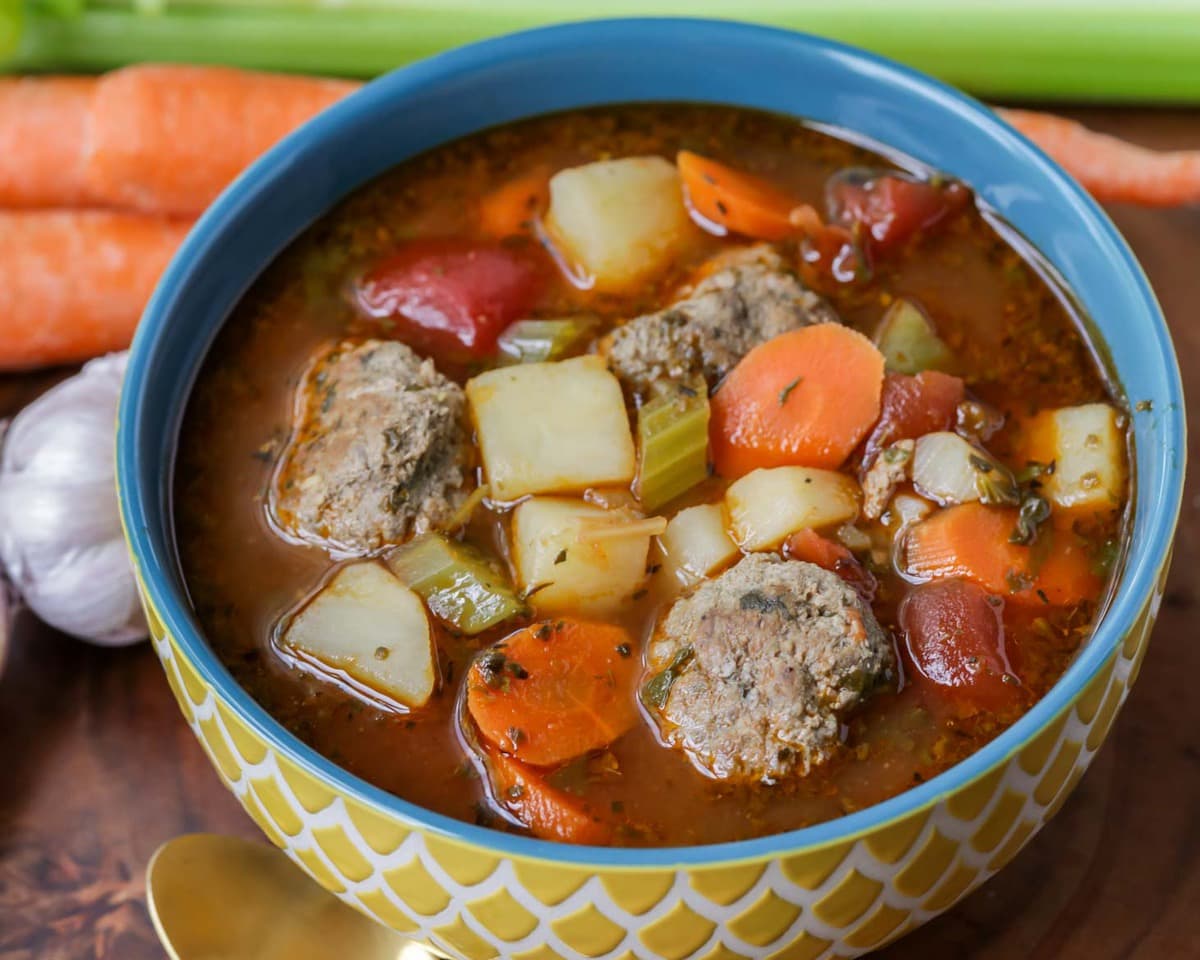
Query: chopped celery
point(535, 341)
point(672, 442)
point(456, 581)
point(908, 341)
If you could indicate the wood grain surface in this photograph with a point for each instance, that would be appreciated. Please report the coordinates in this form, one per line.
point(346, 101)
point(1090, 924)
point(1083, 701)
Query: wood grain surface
point(97, 767)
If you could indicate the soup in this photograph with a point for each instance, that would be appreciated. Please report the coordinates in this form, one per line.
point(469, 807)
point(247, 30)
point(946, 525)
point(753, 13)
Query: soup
point(651, 475)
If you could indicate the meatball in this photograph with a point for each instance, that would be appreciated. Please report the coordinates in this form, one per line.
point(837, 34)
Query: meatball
point(747, 299)
point(756, 669)
point(380, 449)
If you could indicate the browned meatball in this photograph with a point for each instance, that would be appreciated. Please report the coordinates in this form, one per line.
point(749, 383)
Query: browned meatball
point(753, 672)
point(380, 449)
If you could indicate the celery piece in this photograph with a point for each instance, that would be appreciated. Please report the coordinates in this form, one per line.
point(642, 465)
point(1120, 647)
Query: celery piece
point(908, 341)
point(535, 341)
point(672, 442)
point(456, 581)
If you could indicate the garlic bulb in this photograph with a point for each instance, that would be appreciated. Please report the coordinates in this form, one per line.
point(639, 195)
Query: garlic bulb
point(60, 530)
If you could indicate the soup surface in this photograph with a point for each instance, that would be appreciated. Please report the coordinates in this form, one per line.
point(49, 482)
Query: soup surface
point(499, 605)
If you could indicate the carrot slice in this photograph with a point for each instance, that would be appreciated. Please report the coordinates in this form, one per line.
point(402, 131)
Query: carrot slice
point(511, 207)
point(736, 201)
point(805, 398)
point(1111, 169)
point(44, 125)
point(548, 812)
point(555, 690)
point(971, 541)
point(73, 284)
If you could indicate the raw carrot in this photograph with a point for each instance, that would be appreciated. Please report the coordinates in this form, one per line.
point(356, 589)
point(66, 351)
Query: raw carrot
point(555, 690)
point(548, 812)
point(512, 206)
point(1111, 169)
point(73, 283)
point(736, 201)
point(44, 125)
point(804, 398)
point(971, 541)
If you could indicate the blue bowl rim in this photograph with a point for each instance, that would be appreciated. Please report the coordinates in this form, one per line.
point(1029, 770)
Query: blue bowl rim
point(1135, 590)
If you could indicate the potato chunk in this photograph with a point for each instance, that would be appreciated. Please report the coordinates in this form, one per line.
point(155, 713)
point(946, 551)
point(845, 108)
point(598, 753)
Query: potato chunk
point(563, 570)
point(367, 624)
point(551, 427)
point(617, 221)
point(768, 504)
point(1087, 448)
point(696, 542)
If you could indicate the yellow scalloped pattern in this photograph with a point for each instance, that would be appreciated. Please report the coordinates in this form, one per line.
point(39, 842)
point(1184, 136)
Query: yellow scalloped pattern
point(841, 900)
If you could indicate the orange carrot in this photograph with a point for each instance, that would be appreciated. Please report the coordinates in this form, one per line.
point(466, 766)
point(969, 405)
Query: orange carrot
point(73, 283)
point(554, 690)
point(548, 812)
point(971, 541)
point(44, 127)
point(511, 207)
point(1111, 169)
point(737, 201)
point(804, 398)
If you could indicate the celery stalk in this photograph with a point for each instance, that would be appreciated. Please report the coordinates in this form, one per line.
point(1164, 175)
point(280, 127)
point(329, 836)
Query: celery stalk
point(535, 341)
point(908, 341)
point(456, 581)
point(672, 442)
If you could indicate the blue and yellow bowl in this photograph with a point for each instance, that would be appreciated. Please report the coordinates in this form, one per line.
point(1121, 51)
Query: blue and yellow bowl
point(837, 889)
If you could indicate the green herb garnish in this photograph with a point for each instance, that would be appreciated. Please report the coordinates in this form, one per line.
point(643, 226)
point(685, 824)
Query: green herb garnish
point(658, 688)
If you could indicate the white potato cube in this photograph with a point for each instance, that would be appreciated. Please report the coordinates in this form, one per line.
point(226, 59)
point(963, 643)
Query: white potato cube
point(551, 427)
point(1087, 449)
point(617, 221)
point(565, 571)
point(367, 624)
point(768, 504)
point(696, 542)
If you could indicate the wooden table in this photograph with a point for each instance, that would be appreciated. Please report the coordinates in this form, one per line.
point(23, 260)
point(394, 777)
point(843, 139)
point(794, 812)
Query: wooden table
point(97, 767)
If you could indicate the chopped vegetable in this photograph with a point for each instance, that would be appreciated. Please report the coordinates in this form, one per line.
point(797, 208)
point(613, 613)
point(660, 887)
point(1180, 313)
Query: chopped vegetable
point(912, 407)
point(811, 547)
point(548, 812)
point(948, 470)
point(456, 581)
point(672, 442)
point(553, 691)
point(550, 427)
point(908, 341)
point(973, 541)
point(696, 542)
point(954, 637)
point(767, 505)
point(657, 690)
point(366, 624)
point(513, 207)
point(535, 341)
point(1087, 450)
point(724, 200)
point(822, 418)
point(889, 208)
point(450, 298)
point(617, 221)
point(595, 576)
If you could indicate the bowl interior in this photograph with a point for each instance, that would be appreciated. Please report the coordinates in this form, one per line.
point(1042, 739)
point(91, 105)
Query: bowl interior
point(594, 63)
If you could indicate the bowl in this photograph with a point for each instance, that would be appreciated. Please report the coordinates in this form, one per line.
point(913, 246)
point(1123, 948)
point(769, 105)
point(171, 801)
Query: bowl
point(839, 888)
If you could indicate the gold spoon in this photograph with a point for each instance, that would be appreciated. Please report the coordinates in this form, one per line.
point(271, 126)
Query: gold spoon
point(222, 898)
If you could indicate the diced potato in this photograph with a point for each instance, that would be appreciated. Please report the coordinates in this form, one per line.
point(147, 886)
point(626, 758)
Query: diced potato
point(551, 427)
point(617, 221)
point(367, 624)
point(696, 542)
point(562, 572)
point(1087, 448)
point(768, 504)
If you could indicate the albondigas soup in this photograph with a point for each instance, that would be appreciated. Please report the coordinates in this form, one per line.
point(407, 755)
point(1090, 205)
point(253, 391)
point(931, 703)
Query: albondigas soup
point(651, 475)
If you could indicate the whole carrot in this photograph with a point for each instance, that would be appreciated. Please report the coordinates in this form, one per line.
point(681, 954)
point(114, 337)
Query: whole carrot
point(73, 283)
point(45, 126)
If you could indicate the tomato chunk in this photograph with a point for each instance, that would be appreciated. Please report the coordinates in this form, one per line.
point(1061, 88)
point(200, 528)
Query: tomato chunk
point(891, 208)
point(451, 298)
point(913, 406)
point(954, 640)
point(830, 555)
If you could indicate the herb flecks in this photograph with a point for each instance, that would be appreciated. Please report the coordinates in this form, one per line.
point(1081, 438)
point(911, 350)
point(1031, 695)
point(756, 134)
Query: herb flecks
point(658, 688)
point(787, 391)
point(759, 602)
point(1035, 511)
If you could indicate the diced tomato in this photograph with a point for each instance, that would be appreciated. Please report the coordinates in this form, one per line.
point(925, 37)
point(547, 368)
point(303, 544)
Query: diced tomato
point(891, 208)
point(954, 639)
point(451, 298)
point(913, 406)
point(830, 555)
